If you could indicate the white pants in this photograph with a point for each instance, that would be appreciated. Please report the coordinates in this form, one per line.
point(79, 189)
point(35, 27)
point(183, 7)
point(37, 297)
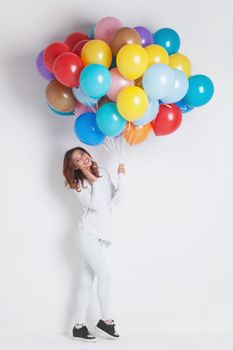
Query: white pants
point(92, 263)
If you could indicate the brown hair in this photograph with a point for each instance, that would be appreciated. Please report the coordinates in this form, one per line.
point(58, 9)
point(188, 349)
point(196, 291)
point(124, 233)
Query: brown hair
point(74, 178)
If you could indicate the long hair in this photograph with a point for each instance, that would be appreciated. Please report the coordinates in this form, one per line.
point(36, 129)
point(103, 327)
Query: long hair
point(74, 178)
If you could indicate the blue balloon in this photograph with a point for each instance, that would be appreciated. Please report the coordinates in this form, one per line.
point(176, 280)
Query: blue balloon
point(150, 114)
point(158, 81)
point(87, 131)
point(60, 113)
point(180, 88)
point(95, 80)
point(84, 99)
point(167, 38)
point(183, 106)
point(201, 90)
point(109, 120)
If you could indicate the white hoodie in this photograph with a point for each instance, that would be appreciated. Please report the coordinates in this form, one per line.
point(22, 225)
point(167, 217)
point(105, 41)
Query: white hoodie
point(96, 199)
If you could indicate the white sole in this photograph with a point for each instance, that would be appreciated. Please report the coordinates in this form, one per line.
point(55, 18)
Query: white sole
point(84, 340)
point(103, 334)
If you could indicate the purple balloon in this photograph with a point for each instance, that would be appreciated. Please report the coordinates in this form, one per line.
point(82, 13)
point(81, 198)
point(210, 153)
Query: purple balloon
point(44, 72)
point(146, 36)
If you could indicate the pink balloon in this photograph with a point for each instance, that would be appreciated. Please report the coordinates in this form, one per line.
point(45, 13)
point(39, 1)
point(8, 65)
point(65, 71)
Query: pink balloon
point(118, 83)
point(80, 109)
point(105, 28)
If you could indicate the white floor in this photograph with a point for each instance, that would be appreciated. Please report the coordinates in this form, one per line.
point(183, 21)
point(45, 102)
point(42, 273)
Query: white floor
point(29, 341)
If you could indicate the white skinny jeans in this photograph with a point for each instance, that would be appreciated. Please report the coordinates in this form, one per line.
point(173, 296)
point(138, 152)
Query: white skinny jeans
point(92, 263)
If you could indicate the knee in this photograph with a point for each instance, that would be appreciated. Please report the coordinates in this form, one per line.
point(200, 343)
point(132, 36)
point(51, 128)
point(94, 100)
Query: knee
point(104, 277)
point(86, 284)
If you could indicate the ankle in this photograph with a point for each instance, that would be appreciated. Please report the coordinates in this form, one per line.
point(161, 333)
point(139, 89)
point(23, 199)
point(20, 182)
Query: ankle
point(108, 321)
point(79, 325)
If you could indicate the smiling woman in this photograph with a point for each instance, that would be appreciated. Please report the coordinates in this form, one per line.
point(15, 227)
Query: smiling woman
point(96, 192)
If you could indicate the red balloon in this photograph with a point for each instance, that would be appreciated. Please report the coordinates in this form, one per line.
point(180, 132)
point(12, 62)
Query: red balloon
point(167, 120)
point(73, 38)
point(78, 47)
point(67, 68)
point(52, 51)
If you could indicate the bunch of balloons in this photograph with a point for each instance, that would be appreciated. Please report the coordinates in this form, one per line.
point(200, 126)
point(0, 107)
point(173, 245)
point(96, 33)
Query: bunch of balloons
point(121, 81)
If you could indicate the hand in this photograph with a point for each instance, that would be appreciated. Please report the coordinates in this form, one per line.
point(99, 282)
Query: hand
point(121, 169)
point(89, 176)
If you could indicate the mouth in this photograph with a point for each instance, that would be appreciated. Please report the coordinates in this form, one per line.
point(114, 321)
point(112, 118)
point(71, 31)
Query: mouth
point(86, 162)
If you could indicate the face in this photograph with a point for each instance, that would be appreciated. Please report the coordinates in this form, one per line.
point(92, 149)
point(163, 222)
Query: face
point(81, 159)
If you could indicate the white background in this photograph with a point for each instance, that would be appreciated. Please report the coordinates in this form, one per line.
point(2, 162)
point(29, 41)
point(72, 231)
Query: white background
point(171, 260)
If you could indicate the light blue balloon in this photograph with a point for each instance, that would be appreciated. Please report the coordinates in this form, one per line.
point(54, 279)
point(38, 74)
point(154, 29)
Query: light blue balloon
point(158, 81)
point(109, 120)
point(167, 38)
point(95, 80)
point(150, 114)
point(201, 90)
point(87, 131)
point(183, 106)
point(84, 99)
point(60, 113)
point(180, 88)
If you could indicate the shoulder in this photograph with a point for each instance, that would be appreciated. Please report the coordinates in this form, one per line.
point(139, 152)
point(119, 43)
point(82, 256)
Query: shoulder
point(103, 171)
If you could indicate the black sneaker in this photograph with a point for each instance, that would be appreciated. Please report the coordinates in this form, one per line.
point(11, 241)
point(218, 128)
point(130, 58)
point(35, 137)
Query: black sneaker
point(106, 330)
point(83, 334)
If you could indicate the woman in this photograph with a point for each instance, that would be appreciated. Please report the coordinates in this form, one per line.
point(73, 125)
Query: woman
point(93, 187)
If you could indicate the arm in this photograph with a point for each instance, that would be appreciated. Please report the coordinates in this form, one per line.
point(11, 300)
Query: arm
point(88, 199)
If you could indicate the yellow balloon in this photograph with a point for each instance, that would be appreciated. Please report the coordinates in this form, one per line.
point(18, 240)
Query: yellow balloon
point(132, 61)
point(132, 102)
point(156, 54)
point(180, 62)
point(96, 51)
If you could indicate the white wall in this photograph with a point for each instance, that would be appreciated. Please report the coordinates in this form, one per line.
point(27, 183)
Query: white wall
point(172, 259)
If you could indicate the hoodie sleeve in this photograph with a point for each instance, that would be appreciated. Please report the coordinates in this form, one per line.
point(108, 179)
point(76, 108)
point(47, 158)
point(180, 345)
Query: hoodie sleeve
point(90, 199)
point(118, 191)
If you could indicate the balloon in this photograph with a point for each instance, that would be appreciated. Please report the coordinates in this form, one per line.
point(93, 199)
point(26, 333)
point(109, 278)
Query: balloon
point(60, 97)
point(92, 30)
point(52, 51)
point(180, 62)
point(132, 102)
point(84, 99)
point(151, 112)
point(77, 49)
point(113, 64)
point(122, 37)
point(95, 80)
point(180, 88)
point(67, 68)
point(201, 90)
point(136, 134)
point(105, 28)
point(167, 120)
point(118, 83)
point(42, 70)
point(87, 131)
point(158, 81)
point(168, 38)
point(109, 120)
point(145, 35)
point(183, 106)
point(73, 38)
point(132, 61)
point(156, 54)
point(81, 109)
point(96, 51)
point(60, 113)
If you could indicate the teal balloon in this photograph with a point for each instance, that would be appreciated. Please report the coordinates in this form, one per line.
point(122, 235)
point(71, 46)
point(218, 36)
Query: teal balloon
point(158, 81)
point(180, 88)
point(87, 131)
point(183, 106)
point(109, 120)
point(84, 99)
point(167, 38)
point(150, 114)
point(95, 80)
point(201, 90)
point(92, 30)
point(113, 64)
point(60, 113)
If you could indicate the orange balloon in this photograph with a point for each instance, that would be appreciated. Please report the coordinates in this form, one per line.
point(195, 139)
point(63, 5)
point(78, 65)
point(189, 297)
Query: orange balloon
point(136, 134)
